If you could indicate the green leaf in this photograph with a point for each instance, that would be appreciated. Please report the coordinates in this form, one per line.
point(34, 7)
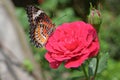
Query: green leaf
point(101, 66)
point(92, 66)
point(103, 62)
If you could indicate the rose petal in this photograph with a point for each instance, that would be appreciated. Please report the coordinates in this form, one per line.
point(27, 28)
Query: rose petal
point(49, 58)
point(72, 43)
point(74, 63)
point(55, 65)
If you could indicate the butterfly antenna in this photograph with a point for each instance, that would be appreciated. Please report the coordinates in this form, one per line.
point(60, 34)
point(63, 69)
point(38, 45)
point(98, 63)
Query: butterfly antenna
point(58, 19)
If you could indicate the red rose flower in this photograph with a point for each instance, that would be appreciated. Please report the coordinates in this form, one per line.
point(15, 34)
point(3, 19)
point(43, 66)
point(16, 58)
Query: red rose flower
point(72, 43)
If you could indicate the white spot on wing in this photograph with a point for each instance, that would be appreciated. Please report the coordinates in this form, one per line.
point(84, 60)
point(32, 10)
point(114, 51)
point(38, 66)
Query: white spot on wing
point(37, 14)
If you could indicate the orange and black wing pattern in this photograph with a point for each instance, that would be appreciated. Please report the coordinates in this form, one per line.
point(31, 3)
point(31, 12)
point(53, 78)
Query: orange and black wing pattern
point(41, 26)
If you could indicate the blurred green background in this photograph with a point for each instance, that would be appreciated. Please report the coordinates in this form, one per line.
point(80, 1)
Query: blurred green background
point(61, 11)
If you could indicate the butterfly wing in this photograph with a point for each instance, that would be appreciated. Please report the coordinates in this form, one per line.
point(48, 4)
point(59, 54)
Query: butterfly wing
point(41, 26)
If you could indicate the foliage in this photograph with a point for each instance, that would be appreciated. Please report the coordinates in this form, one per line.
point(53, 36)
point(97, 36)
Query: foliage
point(102, 63)
point(112, 71)
point(28, 65)
point(109, 39)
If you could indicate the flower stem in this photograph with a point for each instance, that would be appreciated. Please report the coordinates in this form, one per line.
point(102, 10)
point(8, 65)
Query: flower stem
point(85, 73)
point(95, 73)
point(88, 69)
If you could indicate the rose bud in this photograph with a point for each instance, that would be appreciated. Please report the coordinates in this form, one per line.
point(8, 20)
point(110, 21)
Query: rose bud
point(94, 18)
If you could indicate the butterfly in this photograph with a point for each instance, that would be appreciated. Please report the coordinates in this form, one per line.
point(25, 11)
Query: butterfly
point(41, 26)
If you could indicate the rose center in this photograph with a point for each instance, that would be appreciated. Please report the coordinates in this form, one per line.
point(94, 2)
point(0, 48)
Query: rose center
point(71, 45)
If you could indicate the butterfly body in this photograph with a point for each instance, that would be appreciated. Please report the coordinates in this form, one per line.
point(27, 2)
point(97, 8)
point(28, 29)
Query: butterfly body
point(41, 26)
